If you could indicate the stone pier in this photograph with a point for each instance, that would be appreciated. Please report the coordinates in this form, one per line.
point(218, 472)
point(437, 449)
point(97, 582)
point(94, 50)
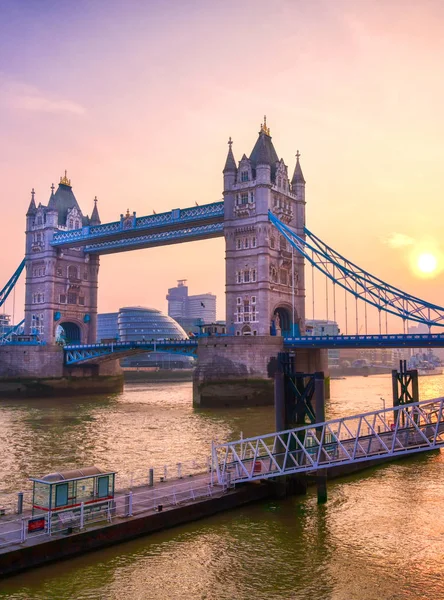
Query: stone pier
point(38, 370)
point(239, 370)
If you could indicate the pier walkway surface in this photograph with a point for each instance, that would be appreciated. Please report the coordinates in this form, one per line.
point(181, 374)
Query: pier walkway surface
point(30, 529)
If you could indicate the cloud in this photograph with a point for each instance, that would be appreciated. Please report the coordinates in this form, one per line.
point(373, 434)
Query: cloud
point(20, 96)
point(399, 240)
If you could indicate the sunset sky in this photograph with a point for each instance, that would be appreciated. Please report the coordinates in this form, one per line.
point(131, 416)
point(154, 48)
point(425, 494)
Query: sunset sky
point(137, 99)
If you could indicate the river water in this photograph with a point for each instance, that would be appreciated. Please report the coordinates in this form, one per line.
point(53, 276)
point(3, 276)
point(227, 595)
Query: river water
point(379, 537)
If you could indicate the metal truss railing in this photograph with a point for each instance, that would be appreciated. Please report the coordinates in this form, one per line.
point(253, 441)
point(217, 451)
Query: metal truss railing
point(80, 353)
point(4, 293)
point(8, 337)
point(173, 218)
point(359, 282)
point(433, 340)
point(191, 233)
point(381, 434)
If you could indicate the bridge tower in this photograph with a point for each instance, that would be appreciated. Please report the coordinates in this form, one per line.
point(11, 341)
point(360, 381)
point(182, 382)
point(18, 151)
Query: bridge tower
point(61, 285)
point(265, 284)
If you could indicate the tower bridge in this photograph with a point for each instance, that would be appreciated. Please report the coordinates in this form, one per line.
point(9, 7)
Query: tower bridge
point(267, 249)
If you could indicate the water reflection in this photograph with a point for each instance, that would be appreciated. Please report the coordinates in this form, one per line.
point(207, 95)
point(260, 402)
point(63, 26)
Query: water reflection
point(380, 536)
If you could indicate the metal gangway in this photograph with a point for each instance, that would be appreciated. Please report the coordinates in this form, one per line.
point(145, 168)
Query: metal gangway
point(381, 434)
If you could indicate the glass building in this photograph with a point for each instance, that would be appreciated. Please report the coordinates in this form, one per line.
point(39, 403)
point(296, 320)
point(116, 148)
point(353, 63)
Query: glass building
point(138, 324)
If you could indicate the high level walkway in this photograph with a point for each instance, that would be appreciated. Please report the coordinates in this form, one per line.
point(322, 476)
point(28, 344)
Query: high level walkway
point(381, 434)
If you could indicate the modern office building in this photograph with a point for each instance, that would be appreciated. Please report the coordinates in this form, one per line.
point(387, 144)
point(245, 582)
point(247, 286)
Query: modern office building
point(138, 323)
point(190, 311)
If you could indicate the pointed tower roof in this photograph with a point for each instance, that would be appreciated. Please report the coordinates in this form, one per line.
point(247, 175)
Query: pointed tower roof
point(230, 163)
point(297, 175)
point(263, 152)
point(32, 207)
point(63, 199)
point(95, 219)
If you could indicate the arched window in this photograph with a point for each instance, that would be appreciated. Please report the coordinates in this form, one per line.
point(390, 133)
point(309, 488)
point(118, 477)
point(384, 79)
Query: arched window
point(72, 272)
point(71, 223)
point(244, 176)
point(77, 225)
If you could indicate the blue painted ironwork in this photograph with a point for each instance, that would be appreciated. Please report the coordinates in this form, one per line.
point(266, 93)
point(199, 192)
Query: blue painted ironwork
point(131, 226)
point(359, 282)
point(93, 353)
point(434, 340)
point(164, 238)
point(8, 337)
point(11, 283)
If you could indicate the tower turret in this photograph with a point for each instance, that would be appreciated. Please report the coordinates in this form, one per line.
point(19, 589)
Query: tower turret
point(230, 169)
point(298, 181)
point(95, 219)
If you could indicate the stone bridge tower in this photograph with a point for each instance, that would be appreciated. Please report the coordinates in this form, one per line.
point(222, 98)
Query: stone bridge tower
point(265, 285)
point(61, 285)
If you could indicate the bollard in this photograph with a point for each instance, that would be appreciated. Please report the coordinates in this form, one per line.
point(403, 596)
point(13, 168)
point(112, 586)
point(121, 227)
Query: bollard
point(20, 503)
point(151, 477)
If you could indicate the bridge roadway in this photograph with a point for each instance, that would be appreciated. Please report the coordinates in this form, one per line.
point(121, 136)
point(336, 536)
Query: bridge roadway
point(94, 353)
point(383, 434)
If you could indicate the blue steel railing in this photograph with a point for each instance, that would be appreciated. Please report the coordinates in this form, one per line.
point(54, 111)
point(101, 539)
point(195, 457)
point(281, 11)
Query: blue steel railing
point(80, 353)
point(174, 236)
point(128, 225)
point(366, 341)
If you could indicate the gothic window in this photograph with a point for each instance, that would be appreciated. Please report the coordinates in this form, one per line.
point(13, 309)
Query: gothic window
point(239, 300)
point(239, 276)
point(282, 242)
point(272, 242)
point(39, 220)
point(77, 225)
point(62, 298)
point(38, 237)
point(244, 176)
point(39, 297)
point(71, 223)
point(246, 276)
point(72, 298)
point(244, 198)
point(82, 300)
point(283, 276)
point(273, 274)
point(253, 275)
point(279, 182)
point(253, 299)
point(246, 243)
point(239, 244)
point(251, 197)
point(253, 242)
point(59, 272)
point(85, 275)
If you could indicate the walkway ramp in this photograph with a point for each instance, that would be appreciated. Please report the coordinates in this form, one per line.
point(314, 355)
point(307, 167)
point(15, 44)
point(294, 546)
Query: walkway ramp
point(387, 433)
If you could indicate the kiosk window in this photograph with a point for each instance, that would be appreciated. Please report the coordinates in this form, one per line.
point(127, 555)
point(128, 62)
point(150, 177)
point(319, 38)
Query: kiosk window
point(61, 498)
point(103, 487)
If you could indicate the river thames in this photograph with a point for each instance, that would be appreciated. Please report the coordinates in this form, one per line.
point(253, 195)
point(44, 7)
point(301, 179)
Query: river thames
point(379, 537)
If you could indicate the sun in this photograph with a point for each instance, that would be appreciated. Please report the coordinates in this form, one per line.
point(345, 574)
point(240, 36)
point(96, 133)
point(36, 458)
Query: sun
point(427, 263)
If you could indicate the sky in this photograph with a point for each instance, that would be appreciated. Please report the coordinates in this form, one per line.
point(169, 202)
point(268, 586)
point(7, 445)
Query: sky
point(137, 100)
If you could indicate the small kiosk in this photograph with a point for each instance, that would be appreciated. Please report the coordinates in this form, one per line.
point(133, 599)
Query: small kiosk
point(69, 489)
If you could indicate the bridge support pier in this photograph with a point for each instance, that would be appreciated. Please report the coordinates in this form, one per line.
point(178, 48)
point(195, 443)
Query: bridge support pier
point(239, 370)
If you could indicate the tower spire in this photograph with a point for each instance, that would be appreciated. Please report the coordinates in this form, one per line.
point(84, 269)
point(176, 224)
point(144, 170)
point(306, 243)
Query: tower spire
point(230, 163)
point(32, 207)
point(65, 181)
point(298, 177)
point(95, 219)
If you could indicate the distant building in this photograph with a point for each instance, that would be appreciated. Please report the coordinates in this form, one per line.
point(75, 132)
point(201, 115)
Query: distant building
point(137, 324)
point(191, 312)
point(323, 327)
